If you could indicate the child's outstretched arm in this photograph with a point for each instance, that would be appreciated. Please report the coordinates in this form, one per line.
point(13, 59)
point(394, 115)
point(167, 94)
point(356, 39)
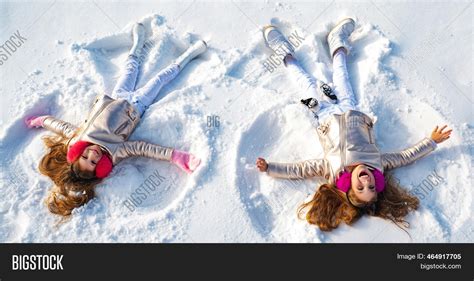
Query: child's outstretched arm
point(143, 149)
point(419, 150)
point(52, 124)
point(186, 161)
point(301, 170)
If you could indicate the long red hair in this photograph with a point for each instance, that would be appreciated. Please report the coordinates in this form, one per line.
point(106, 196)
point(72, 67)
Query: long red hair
point(330, 207)
point(72, 187)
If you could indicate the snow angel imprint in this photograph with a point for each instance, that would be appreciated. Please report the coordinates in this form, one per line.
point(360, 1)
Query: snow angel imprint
point(352, 167)
point(79, 158)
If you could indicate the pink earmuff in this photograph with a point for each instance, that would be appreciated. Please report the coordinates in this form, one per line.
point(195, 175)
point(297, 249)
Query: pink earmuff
point(343, 183)
point(104, 165)
point(76, 150)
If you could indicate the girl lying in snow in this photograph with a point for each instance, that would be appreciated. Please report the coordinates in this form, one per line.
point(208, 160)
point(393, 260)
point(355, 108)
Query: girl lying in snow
point(353, 166)
point(79, 158)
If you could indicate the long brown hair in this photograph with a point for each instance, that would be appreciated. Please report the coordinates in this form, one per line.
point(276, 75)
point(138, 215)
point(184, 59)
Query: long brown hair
point(330, 206)
point(72, 187)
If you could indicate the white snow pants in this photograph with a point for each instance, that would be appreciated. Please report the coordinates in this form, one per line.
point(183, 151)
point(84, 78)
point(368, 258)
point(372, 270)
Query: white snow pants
point(342, 86)
point(141, 98)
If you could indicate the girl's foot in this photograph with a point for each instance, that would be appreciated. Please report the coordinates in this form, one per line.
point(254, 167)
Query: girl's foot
point(138, 39)
point(339, 36)
point(276, 41)
point(195, 50)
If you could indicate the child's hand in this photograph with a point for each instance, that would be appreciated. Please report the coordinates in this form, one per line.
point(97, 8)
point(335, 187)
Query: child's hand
point(439, 136)
point(35, 121)
point(262, 165)
point(186, 161)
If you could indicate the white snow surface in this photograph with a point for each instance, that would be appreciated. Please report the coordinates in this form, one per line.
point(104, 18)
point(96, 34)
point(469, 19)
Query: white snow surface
point(411, 68)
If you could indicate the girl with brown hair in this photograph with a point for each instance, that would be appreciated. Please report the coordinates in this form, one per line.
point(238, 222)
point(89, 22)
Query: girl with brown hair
point(79, 158)
point(353, 168)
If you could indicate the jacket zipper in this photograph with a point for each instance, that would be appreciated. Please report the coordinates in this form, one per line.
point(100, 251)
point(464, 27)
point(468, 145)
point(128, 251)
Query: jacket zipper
point(342, 138)
point(92, 119)
point(371, 136)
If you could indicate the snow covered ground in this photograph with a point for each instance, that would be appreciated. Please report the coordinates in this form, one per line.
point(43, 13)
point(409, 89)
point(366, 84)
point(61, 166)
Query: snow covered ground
point(411, 68)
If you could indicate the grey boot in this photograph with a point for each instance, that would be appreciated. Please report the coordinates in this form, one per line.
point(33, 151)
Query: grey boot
point(339, 36)
point(195, 50)
point(138, 39)
point(276, 41)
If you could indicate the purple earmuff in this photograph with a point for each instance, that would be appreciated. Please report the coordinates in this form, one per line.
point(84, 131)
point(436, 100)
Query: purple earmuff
point(343, 183)
point(379, 180)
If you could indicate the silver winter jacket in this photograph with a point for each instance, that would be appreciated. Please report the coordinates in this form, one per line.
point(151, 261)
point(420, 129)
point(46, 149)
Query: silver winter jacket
point(109, 124)
point(348, 140)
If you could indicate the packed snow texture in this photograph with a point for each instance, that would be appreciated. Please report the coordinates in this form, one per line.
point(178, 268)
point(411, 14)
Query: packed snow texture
point(409, 72)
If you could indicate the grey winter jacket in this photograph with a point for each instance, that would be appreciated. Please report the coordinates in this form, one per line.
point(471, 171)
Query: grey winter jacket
point(109, 124)
point(348, 140)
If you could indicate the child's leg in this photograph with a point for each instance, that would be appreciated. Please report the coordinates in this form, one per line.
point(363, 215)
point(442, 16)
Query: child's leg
point(342, 85)
point(144, 97)
point(128, 79)
point(304, 81)
point(307, 85)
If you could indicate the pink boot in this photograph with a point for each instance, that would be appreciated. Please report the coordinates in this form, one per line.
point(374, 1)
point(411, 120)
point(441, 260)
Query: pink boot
point(185, 161)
